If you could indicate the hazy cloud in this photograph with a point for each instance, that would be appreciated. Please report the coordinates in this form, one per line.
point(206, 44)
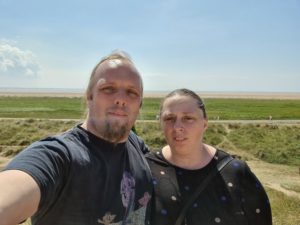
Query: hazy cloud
point(15, 62)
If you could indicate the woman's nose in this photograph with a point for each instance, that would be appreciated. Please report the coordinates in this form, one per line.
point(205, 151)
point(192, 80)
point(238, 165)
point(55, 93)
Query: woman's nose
point(178, 125)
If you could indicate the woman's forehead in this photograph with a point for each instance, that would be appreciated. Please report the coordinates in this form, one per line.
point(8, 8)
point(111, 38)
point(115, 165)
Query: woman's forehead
point(180, 103)
point(179, 99)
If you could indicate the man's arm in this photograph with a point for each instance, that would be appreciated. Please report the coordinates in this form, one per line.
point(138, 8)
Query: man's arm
point(19, 197)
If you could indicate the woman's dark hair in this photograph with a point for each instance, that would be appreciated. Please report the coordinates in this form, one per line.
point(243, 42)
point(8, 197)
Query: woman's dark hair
point(185, 92)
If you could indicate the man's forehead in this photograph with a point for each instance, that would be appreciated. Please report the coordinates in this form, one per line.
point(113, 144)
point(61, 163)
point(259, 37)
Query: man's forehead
point(112, 64)
point(117, 69)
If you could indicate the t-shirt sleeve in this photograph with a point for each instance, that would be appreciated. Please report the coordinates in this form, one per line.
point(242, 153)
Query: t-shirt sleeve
point(47, 162)
point(255, 201)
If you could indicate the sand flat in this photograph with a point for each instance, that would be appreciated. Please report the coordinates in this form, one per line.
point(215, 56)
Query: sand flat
point(160, 94)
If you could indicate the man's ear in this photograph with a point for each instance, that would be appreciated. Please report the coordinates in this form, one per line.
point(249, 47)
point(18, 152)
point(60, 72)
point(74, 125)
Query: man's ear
point(89, 96)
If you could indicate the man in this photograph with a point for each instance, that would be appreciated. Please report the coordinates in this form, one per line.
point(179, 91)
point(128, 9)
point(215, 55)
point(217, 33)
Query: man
point(94, 173)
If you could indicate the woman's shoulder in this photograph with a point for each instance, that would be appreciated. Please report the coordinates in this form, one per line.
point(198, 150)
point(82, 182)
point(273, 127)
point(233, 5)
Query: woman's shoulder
point(236, 164)
point(155, 156)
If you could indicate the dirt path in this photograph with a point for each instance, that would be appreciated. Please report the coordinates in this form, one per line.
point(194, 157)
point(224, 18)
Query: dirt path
point(282, 178)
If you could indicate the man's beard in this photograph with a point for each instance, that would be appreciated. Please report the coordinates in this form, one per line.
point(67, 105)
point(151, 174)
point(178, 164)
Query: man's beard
point(114, 131)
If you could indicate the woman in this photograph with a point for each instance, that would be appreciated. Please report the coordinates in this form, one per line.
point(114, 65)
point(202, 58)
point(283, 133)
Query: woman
point(233, 195)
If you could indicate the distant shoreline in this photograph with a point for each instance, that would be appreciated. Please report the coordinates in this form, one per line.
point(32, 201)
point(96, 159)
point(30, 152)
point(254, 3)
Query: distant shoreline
point(159, 94)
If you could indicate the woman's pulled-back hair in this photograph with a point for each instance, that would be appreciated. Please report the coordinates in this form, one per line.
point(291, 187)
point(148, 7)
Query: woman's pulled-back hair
point(185, 92)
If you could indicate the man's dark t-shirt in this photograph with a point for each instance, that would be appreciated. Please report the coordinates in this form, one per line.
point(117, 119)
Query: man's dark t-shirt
point(86, 180)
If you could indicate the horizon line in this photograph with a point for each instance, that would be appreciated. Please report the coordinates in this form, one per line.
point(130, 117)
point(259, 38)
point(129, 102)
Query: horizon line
point(77, 92)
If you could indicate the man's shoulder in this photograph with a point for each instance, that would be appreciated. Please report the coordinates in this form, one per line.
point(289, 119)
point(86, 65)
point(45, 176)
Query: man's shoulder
point(57, 143)
point(137, 142)
point(133, 137)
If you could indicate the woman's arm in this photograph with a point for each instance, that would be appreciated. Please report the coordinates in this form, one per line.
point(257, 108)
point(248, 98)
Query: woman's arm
point(254, 199)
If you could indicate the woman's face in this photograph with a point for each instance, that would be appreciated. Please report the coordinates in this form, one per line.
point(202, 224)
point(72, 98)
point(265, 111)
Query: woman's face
point(183, 123)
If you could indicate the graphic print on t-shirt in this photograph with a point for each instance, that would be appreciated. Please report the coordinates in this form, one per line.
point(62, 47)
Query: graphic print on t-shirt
point(127, 191)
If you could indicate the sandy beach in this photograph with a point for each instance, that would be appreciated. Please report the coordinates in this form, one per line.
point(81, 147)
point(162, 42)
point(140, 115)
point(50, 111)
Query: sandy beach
point(249, 95)
point(158, 94)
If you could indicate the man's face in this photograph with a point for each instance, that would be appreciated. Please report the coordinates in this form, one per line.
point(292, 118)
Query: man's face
point(114, 101)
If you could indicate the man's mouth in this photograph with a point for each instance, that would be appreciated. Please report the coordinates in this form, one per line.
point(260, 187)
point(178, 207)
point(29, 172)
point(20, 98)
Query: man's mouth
point(118, 113)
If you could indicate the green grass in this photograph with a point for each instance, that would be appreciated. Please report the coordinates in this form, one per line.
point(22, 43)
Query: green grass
point(291, 187)
point(285, 210)
point(16, 134)
point(41, 107)
point(245, 109)
point(271, 143)
point(225, 109)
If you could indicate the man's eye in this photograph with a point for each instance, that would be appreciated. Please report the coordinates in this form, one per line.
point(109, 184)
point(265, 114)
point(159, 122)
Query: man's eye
point(107, 90)
point(133, 93)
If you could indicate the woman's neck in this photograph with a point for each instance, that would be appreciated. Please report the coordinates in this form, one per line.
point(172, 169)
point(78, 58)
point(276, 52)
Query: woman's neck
point(192, 160)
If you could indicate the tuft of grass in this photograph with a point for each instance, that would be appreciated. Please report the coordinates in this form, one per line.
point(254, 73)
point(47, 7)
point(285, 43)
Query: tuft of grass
point(151, 133)
point(17, 134)
point(271, 143)
point(285, 210)
point(291, 187)
point(215, 134)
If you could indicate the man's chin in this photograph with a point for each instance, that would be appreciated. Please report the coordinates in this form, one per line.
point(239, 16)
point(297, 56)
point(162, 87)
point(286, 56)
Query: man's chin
point(116, 131)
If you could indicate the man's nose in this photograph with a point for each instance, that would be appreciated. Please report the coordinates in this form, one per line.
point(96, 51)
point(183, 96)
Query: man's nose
point(120, 98)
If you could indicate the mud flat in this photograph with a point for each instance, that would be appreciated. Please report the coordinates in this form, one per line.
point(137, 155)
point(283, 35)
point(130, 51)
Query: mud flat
point(154, 94)
point(249, 95)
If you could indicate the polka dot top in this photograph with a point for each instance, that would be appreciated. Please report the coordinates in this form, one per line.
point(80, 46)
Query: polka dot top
point(234, 196)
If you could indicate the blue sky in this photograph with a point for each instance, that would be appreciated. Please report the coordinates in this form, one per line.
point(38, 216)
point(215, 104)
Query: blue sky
point(211, 45)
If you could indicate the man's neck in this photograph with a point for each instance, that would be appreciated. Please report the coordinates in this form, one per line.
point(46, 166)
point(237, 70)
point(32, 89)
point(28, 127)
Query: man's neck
point(85, 125)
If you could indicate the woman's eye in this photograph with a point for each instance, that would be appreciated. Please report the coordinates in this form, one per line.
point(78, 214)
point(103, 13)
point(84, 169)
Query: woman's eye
point(188, 118)
point(167, 119)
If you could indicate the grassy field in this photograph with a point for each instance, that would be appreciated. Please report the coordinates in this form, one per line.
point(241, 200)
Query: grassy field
point(224, 109)
point(264, 141)
point(271, 143)
point(41, 107)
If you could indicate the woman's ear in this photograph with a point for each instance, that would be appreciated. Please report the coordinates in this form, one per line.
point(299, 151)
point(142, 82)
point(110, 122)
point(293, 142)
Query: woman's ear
point(205, 124)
